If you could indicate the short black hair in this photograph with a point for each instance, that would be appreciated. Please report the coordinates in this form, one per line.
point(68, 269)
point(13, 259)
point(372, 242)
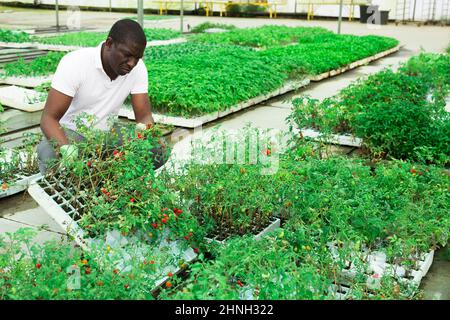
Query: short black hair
point(126, 30)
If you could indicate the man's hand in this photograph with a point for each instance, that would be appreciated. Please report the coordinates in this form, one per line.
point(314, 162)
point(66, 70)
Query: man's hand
point(69, 153)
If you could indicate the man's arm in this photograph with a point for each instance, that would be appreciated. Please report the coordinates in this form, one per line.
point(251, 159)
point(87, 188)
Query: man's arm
point(55, 107)
point(142, 108)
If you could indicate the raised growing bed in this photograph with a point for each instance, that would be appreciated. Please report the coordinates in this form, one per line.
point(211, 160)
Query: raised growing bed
point(353, 65)
point(22, 99)
point(198, 121)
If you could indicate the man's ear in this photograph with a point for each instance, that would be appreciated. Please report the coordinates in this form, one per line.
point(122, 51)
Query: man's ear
point(109, 42)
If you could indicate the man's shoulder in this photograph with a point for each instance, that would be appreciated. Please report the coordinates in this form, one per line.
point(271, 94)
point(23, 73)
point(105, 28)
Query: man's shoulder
point(80, 56)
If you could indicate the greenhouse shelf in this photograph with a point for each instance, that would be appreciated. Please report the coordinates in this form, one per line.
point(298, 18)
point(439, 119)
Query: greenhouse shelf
point(198, 121)
point(23, 99)
point(353, 65)
point(66, 215)
point(29, 82)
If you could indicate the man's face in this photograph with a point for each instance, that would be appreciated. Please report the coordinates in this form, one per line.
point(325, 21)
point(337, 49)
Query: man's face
point(123, 57)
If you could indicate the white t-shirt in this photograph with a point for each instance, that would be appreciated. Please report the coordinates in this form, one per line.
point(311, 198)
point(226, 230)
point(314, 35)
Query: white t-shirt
point(80, 75)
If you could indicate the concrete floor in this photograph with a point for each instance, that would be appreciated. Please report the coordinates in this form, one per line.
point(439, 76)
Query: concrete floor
point(21, 211)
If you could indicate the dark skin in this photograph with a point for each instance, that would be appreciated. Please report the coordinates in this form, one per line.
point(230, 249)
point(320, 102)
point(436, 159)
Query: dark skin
point(118, 59)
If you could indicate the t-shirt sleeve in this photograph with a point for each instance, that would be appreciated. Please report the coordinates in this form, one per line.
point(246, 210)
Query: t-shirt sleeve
point(141, 79)
point(67, 76)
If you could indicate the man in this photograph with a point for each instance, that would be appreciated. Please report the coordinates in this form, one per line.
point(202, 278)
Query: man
point(95, 81)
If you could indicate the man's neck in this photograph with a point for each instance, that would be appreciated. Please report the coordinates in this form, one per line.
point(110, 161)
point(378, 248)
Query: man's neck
point(111, 74)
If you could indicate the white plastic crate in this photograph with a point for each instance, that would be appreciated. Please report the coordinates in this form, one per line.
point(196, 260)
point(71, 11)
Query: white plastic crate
point(22, 99)
point(198, 121)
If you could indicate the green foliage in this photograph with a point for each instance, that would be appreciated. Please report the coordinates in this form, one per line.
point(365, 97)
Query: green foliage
point(160, 34)
point(60, 271)
point(209, 25)
point(41, 66)
point(114, 179)
point(193, 79)
point(398, 114)
point(14, 36)
point(214, 186)
point(263, 37)
point(324, 52)
point(352, 202)
point(247, 269)
point(197, 81)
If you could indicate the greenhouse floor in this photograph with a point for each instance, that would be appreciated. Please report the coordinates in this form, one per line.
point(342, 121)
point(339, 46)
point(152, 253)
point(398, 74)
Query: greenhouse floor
point(22, 211)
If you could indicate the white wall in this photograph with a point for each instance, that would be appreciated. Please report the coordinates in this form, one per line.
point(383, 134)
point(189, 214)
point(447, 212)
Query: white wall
point(422, 7)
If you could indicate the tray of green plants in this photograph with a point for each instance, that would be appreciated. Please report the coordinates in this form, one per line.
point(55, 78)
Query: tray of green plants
point(323, 55)
point(112, 204)
point(196, 83)
point(18, 167)
point(31, 73)
point(396, 114)
point(226, 184)
point(352, 231)
point(75, 40)
point(15, 38)
point(183, 85)
point(92, 39)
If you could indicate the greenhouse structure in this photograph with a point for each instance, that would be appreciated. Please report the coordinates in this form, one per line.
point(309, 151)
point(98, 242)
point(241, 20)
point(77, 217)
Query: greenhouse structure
point(225, 150)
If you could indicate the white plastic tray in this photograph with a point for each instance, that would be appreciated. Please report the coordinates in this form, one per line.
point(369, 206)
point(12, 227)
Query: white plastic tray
point(344, 140)
point(20, 184)
point(22, 99)
point(21, 181)
point(30, 82)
